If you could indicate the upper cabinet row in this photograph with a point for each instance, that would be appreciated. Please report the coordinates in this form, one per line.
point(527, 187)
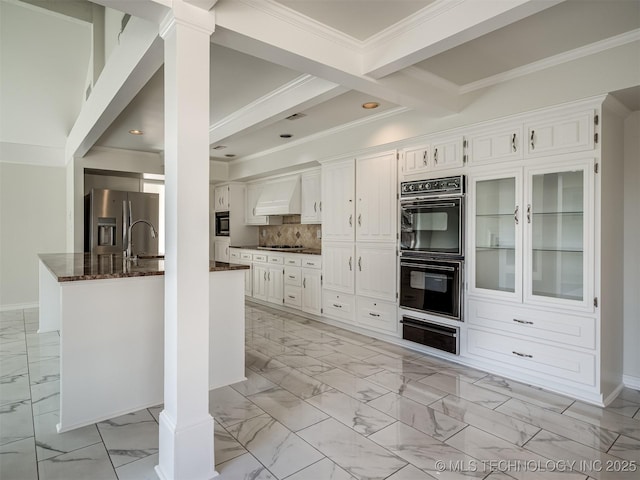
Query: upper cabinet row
point(502, 142)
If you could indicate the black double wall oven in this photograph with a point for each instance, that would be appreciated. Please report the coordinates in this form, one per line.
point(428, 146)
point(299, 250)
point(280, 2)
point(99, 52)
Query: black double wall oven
point(432, 259)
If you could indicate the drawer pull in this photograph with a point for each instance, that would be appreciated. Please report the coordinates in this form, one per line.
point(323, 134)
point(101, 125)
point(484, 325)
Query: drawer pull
point(337, 306)
point(524, 322)
point(310, 264)
point(292, 276)
point(522, 354)
point(374, 314)
point(291, 296)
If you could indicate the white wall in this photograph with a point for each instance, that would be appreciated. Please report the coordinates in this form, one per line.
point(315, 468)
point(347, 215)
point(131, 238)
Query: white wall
point(631, 249)
point(32, 221)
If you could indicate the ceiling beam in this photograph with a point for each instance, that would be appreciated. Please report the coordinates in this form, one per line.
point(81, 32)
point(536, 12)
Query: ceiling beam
point(300, 94)
point(129, 68)
point(203, 4)
point(439, 27)
point(153, 10)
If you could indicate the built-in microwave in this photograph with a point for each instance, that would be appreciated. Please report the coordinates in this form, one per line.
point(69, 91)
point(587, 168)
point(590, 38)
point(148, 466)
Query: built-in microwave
point(222, 224)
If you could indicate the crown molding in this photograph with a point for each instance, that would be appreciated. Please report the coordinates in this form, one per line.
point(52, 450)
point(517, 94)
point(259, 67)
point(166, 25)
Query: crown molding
point(553, 61)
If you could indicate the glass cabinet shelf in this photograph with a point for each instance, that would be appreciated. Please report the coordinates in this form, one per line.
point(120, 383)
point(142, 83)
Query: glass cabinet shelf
point(557, 213)
point(480, 248)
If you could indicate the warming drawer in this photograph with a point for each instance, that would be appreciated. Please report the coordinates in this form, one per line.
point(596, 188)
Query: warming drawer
point(431, 334)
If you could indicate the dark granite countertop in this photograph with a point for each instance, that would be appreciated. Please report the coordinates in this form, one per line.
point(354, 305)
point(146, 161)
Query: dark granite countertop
point(304, 251)
point(68, 267)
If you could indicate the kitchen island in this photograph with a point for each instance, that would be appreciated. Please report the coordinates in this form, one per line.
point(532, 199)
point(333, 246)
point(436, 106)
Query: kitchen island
point(110, 315)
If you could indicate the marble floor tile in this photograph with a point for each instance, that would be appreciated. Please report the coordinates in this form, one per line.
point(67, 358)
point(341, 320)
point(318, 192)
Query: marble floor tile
point(253, 384)
point(351, 337)
point(393, 350)
point(143, 469)
point(15, 346)
point(468, 391)
point(427, 420)
point(298, 383)
point(16, 422)
point(627, 448)
point(588, 460)
point(39, 353)
point(409, 473)
point(309, 347)
point(624, 407)
point(325, 469)
point(229, 407)
point(356, 387)
point(89, 462)
point(44, 371)
point(630, 394)
point(605, 419)
point(42, 339)
point(537, 396)
point(13, 365)
point(354, 453)
point(259, 362)
point(270, 348)
point(407, 387)
point(350, 364)
point(281, 451)
point(425, 452)
point(11, 334)
point(18, 460)
point(583, 432)
point(155, 412)
point(45, 397)
point(504, 426)
point(14, 388)
point(288, 409)
point(353, 413)
point(50, 443)
point(130, 437)
point(305, 363)
point(225, 446)
point(355, 351)
point(401, 366)
point(244, 467)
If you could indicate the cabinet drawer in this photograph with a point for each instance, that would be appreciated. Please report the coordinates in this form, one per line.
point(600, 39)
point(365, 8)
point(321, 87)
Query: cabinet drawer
point(234, 255)
point(312, 262)
point(259, 257)
point(246, 256)
point(276, 259)
point(293, 296)
point(293, 261)
point(547, 326)
point(338, 305)
point(551, 361)
point(377, 315)
point(293, 276)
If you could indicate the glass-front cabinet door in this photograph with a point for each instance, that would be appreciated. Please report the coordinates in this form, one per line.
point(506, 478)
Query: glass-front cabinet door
point(496, 218)
point(559, 236)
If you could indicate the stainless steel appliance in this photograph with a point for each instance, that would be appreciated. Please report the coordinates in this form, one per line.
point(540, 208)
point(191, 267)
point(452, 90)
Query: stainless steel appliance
point(222, 224)
point(432, 217)
point(432, 286)
point(111, 214)
point(431, 334)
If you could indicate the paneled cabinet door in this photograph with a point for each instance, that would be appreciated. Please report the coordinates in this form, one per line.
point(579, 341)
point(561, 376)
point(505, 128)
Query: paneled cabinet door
point(567, 133)
point(311, 291)
point(259, 281)
point(248, 280)
point(338, 186)
point(376, 200)
point(221, 198)
point(496, 219)
point(252, 194)
point(415, 160)
point(311, 198)
point(376, 267)
point(338, 265)
point(499, 144)
point(275, 285)
point(221, 250)
point(447, 153)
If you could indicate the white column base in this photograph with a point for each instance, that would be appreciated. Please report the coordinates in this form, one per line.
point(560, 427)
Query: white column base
point(186, 452)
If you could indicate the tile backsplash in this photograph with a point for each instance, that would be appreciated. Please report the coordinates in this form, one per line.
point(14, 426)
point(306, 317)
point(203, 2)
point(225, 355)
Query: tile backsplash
point(291, 232)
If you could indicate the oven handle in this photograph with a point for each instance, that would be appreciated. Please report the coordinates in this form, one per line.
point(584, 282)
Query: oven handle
point(420, 326)
point(426, 204)
point(433, 267)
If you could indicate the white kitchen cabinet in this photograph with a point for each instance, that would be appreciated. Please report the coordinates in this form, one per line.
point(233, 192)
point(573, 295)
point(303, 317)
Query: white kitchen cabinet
point(415, 160)
point(376, 198)
point(338, 263)
point(572, 132)
point(312, 290)
point(377, 315)
point(447, 152)
point(252, 194)
point(340, 306)
point(221, 249)
point(375, 269)
point(260, 271)
point(338, 193)
point(275, 284)
point(243, 258)
point(311, 197)
point(221, 198)
point(500, 143)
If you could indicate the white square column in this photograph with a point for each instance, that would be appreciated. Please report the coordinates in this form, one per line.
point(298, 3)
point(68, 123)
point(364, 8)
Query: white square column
point(186, 427)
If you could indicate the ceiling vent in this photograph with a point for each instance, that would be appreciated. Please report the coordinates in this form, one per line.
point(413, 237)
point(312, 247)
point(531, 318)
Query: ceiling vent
point(296, 116)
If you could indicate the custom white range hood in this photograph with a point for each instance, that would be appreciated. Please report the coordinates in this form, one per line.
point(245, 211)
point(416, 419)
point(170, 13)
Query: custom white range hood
point(280, 197)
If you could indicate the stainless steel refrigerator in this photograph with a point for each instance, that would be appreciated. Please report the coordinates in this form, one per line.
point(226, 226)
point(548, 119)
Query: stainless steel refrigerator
point(108, 215)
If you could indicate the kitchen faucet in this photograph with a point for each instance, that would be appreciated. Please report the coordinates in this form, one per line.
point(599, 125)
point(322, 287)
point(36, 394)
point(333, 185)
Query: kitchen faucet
point(129, 251)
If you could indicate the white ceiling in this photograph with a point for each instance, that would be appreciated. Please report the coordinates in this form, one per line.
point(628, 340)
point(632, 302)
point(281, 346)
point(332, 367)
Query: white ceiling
point(402, 53)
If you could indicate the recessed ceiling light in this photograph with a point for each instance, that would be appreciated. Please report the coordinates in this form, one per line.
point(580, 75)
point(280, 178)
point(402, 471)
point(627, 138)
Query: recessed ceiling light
point(296, 116)
point(286, 135)
point(136, 132)
point(230, 155)
point(219, 147)
point(370, 105)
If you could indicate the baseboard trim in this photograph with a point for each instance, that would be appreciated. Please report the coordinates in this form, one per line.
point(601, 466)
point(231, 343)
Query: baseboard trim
point(631, 381)
point(17, 306)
